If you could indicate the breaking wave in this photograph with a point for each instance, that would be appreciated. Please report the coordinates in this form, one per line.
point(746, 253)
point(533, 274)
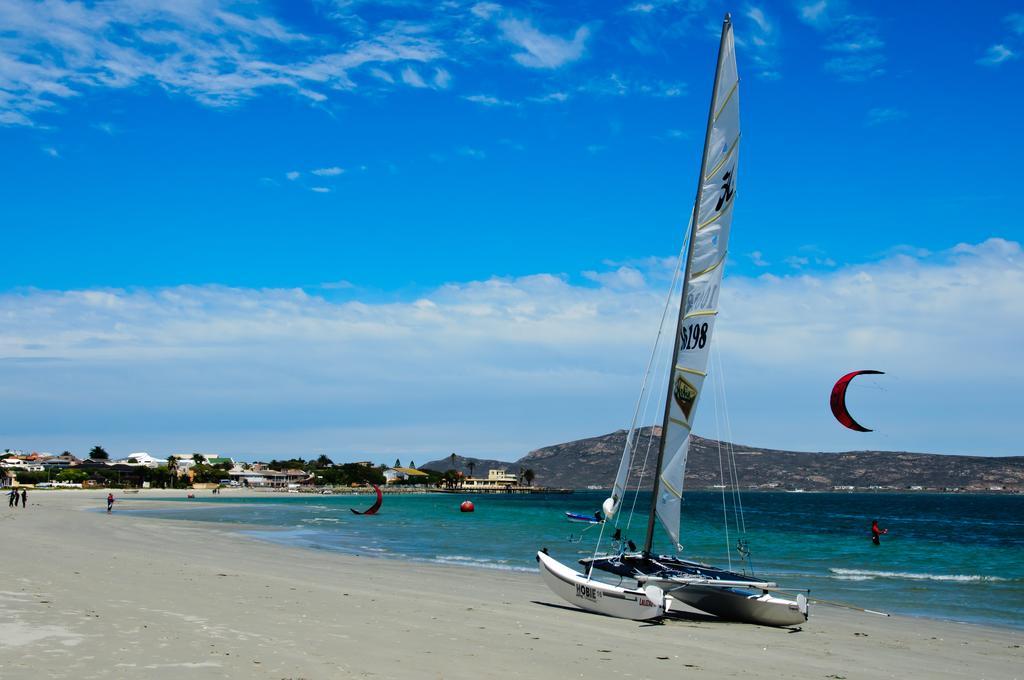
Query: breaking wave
point(466, 561)
point(867, 574)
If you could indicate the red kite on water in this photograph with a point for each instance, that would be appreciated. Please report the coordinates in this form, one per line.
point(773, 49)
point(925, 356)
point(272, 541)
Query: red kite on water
point(372, 510)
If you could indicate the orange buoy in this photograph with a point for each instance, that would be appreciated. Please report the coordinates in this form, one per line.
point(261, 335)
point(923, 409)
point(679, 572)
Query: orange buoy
point(467, 506)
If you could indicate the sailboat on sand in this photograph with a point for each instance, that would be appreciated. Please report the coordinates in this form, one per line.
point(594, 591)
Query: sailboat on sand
point(662, 580)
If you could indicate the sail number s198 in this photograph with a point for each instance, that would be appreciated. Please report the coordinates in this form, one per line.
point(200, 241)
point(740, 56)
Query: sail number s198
point(695, 336)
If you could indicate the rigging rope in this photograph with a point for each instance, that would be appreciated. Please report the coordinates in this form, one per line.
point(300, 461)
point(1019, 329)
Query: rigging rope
point(660, 364)
point(721, 474)
point(644, 398)
point(742, 544)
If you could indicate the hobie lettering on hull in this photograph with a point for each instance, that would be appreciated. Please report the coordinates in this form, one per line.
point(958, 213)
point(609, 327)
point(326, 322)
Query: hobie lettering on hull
point(638, 604)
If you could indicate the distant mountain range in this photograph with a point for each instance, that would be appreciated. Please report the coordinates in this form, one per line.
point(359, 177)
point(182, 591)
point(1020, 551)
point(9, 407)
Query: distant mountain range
point(594, 461)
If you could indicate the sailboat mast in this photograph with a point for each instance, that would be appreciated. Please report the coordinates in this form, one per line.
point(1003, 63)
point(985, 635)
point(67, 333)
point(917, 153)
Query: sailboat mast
point(652, 518)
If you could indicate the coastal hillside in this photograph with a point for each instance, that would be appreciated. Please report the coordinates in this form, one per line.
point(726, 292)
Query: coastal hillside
point(593, 461)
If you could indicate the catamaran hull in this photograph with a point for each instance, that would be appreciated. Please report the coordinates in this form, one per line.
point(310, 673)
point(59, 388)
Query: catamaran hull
point(743, 606)
point(601, 598)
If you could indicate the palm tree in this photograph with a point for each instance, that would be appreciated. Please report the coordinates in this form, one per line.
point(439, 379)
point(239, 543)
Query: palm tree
point(98, 453)
point(323, 461)
point(528, 475)
point(472, 466)
point(199, 458)
point(172, 469)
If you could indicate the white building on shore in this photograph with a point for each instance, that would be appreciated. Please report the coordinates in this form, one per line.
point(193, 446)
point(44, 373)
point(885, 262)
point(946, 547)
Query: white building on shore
point(496, 479)
point(392, 475)
point(143, 459)
point(267, 478)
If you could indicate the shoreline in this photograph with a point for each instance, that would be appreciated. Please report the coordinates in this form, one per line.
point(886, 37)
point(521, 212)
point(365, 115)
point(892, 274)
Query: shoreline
point(265, 533)
point(96, 595)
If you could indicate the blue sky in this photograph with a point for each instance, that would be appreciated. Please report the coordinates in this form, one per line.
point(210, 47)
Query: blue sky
point(251, 227)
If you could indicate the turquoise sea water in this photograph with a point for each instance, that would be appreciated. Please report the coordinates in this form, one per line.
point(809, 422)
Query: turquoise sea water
point(950, 556)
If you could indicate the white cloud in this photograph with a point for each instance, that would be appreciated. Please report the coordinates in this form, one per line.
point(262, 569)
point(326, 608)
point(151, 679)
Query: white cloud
point(487, 100)
point(1016, 22)
point(512, 144)
point(541, 50)
point(382, 75)
point(51, 152)
point(552, 97)
point(293, 175)
point(855, 68)
point(763, 35)
point(412, 77)
point(486, 10)
point(888, 315)
point(501, 366)
point(320, 190)
point(997, 54)
point(218, 52)
point(757, 14)
point(442, 78)
point(616, 85)
point(757, 257)
point(623, 278)
point(813, 12)
point(854, 37)
point(470, 152)
point(881, 115)
point(337, 285)
point(328, 172)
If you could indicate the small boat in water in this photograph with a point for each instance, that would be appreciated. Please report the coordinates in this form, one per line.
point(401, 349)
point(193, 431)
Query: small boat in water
point(588, 519)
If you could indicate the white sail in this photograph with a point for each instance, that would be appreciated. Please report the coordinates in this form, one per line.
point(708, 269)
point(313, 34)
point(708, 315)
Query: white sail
point(709, 235)
point(612, 503)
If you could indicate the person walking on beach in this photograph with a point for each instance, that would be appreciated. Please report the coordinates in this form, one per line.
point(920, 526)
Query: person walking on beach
point(24, 498)
point(110, 501)
point(876, 532)
point(16, 498)
point(10, 498)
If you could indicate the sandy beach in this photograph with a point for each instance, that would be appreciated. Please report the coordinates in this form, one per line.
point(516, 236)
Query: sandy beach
point(91, 595)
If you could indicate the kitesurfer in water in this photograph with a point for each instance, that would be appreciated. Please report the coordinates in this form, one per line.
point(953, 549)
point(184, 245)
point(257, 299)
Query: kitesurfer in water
point(876, 532)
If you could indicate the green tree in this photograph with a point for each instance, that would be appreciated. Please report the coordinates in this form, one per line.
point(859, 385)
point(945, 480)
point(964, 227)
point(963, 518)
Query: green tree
point(32, 477)
point(98, 453)
point(199, 458)
point(398, 463)
point(528, 475)
point(472, 466)
point(203, 473)
point(323, 461)
point(292, 463)
point(71, 476)
point(412, 465)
